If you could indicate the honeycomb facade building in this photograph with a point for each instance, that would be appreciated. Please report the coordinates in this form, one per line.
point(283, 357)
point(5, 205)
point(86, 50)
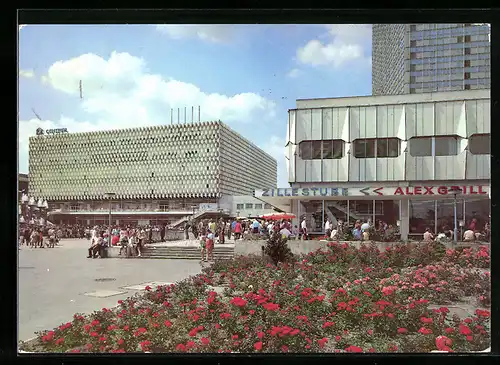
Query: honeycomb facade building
point(420, 58)
point(152, 172)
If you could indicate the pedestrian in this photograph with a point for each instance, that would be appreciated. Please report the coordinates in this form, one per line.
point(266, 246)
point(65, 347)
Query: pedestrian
point(203, 246)
point(186, 230)
point(150, 236)
point(328, 229)
point(210, 246)
point(222, 231)
point(303, 227)
point(428, 236)
point(237, 230)
point(162, 233)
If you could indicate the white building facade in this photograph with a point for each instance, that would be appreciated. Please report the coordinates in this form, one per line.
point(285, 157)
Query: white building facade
point(402, 159)
point(161, 173)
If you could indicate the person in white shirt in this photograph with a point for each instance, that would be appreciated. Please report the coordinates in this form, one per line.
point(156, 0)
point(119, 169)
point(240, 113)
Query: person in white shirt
point(303, 226)
point(365, 226)
point(285, 233)
point(469, 235)
point(328, 228)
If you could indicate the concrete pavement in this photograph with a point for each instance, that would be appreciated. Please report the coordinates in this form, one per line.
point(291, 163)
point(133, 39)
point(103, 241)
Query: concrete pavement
point(52, 282)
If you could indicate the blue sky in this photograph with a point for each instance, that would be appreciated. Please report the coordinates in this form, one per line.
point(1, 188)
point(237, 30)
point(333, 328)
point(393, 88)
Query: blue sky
point(248, 76)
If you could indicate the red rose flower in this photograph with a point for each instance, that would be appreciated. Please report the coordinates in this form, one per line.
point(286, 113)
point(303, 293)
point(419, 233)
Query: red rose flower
point(425, 320)
point(354, 349)
point(425, 331)
point(258, 346)
point(239, 302)
point(205, 340)
point(464, 330)
point(402, 330)
point(168, 323)
point(443, 343)
point(180, 347)
point(322, 342)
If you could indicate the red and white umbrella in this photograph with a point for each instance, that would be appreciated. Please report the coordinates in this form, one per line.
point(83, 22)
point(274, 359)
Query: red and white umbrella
point(278, 216)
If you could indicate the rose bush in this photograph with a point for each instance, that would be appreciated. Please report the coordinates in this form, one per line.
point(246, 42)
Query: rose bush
point(338, 300)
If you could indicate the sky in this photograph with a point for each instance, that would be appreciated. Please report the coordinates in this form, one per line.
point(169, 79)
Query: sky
point(247, 76)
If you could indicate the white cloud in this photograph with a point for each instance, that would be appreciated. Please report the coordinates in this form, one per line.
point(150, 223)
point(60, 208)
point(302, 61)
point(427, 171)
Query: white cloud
point(217, 33)
point(120, 93)
point(26, 73)
point(344, 43)
point(293, 73)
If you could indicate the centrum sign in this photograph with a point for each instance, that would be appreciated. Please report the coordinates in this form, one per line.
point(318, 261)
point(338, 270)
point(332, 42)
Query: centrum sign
point(374, 191)
point(56, 131)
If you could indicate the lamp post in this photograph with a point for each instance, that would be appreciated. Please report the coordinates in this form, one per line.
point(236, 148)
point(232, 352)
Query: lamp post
point(109, 196)
point(455, 190)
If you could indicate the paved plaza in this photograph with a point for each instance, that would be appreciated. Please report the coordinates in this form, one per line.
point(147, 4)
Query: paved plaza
point(56, 283)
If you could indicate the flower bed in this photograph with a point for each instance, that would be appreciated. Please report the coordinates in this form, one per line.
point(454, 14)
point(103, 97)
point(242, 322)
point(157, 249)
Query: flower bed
point(341, 299)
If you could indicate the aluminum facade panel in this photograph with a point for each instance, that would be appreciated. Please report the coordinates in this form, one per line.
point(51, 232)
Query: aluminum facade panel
point(458, 115)
point(478, 166)
point(303, 125)
point(450, 167)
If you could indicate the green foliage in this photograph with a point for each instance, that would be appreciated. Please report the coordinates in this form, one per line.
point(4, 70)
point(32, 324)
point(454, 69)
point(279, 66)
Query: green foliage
point(277, 249)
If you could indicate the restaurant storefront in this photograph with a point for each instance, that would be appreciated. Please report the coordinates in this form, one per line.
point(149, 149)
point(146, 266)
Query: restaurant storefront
point(413, 207)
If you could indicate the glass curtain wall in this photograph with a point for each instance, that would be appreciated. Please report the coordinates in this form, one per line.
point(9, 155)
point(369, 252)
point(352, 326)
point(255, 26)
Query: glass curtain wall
point(348, 211)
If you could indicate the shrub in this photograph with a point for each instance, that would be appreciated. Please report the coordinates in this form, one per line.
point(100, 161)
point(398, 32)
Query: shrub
point(277, 249)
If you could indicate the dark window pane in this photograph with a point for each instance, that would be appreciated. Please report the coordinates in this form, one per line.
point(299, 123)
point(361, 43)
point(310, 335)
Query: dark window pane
point(421, 146)
point(446, 146)
point(364, 148)
point(382, 146)
point(338, 148)
point(480, 144)
point(316, 150)
point(327, 149)
point(393, 147)
point(305, 150)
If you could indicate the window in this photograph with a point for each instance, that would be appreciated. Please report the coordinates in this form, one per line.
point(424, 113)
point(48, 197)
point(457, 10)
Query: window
point(316, 150)
point(258, 206)
point(420, 146)
point(381, 147)
point(364, 148)
point(333, 149)
point(240, 206)
point(248, 206)
point(388, 147)
point(305, 150)
point(268, 206)
point(480, 144)
point(446, 146)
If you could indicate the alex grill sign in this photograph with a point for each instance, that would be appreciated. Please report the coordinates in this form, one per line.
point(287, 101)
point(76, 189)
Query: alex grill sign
point(394, 191)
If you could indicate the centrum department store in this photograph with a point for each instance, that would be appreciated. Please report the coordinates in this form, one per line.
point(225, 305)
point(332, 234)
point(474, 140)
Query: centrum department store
point(407, 160)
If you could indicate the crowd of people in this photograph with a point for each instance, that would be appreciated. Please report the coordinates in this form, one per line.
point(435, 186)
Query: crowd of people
point(472, 233)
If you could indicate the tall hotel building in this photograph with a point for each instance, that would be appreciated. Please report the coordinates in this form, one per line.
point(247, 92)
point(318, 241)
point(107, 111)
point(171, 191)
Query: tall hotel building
point(420, 58)
point(160, 174)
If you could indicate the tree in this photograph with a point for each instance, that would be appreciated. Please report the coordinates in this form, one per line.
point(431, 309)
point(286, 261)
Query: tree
point(277, 249)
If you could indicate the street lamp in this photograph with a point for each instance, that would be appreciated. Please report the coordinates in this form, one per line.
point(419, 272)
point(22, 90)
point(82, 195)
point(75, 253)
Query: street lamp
point(109, 196)
point(455, 191)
